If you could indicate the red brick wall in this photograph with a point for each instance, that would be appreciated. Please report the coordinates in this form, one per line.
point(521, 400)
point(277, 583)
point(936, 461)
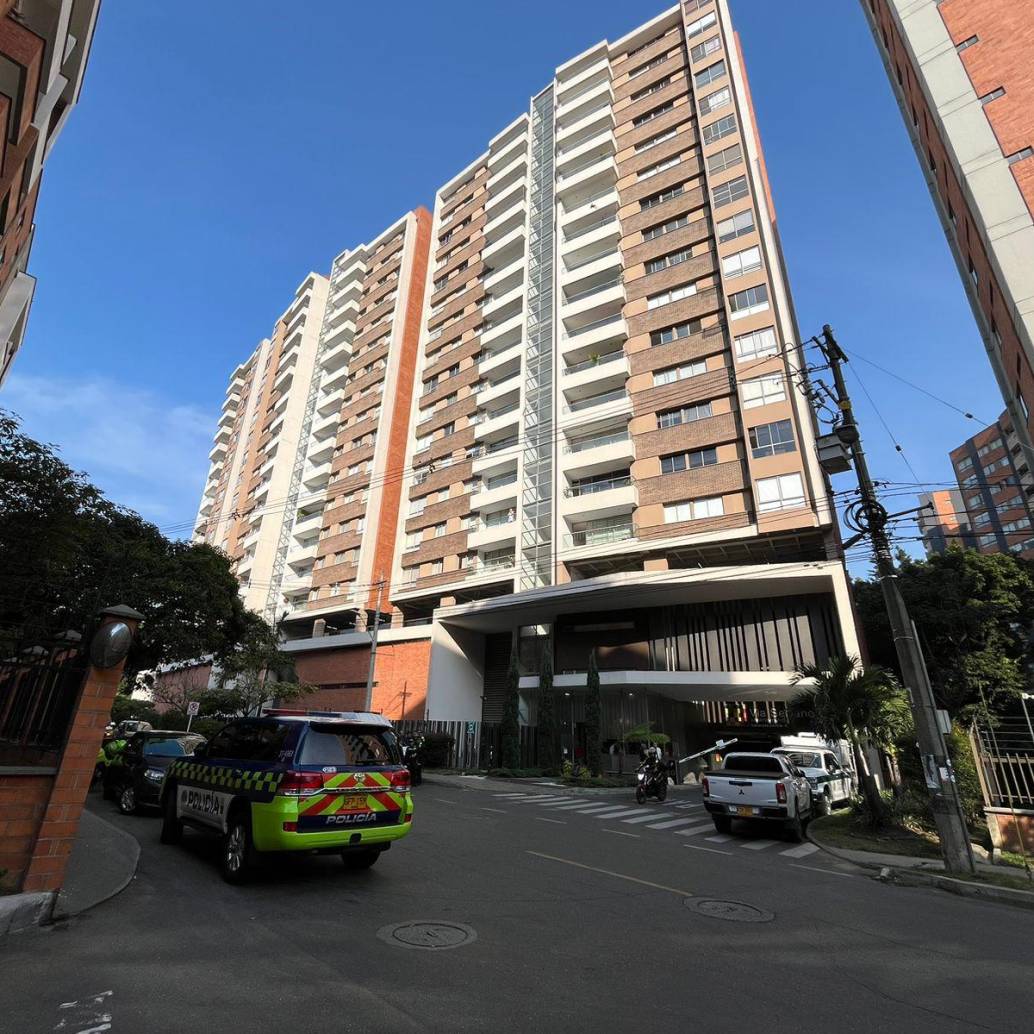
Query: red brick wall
point(23, 801)
point(401, 678)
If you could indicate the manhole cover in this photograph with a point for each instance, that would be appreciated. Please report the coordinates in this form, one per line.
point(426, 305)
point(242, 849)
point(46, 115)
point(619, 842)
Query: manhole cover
point(733, 911)
point(430, 934)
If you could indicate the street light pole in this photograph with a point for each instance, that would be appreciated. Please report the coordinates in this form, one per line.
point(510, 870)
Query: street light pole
point(940, 779)
point(373, 647)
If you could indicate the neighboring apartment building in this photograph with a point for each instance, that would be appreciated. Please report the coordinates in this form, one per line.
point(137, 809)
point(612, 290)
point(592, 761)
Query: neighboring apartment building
point(943, 521)
point(303, 488)
point(961, 71)
point(44, 45)
point(992, 474)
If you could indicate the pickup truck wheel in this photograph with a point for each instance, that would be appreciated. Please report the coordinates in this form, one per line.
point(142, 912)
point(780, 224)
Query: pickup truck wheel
point(795, 829)
point(237, 852)
point(722, 823)
point(172, 828)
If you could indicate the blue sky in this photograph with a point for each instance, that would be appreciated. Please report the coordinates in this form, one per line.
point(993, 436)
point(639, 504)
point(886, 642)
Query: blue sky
point(213, 162)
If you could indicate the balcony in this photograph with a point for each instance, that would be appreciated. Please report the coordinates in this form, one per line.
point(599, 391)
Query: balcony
point(597, 452)
point(489, 392)
point(609, 370)
point(492, 425)
point(608, 291)
point(572, 84)
point(317, 475)
point(493, 530)
point(495, 491)
point(494, 456)
point(503, 205)
point(506, 152)
point(592, 269)
point(609, 404)
point(325, 427)
point(514, 237)
point(607, 533)
point(299, 553)
point(504, 334)
point(607, 329)
point(589, 206)
point(321, 451)
point(501, 307)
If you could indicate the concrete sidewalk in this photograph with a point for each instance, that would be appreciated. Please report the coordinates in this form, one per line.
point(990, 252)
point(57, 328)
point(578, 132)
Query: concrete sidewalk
point(102, 863)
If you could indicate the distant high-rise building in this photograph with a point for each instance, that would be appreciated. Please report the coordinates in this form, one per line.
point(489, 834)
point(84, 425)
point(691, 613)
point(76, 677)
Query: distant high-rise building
point(44, 45)
point(943, 522)
point(992, 475)
point(961, 71)
point(303, 488)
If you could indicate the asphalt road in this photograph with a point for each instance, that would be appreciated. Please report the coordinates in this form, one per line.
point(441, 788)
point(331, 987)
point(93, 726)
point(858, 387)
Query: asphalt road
point(584, 921)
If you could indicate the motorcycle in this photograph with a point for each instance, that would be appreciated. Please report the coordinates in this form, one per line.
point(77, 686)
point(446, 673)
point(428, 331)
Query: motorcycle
point(651, 780)
point(411, 759)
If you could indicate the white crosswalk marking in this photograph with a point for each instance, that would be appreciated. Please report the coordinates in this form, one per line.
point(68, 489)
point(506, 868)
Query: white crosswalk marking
point(558, 803)
point(589, 809)
point(705, 827)
point(578, 805)
point(757, 845)
point(648, 817)
point(800, 851)
point(722, 838)
point(672, 823)
point(509, 795)
point(614, 813)
point(540, 798)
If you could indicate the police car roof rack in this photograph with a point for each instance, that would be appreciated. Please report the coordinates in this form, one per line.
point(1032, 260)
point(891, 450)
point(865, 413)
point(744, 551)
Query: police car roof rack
point(359, 717)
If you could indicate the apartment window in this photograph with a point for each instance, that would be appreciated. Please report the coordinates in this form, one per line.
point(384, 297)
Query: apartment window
point(417, 507)
point(447, 429)
point(651, 115)
point(1019, 156)
point(439, 530)
point(725, 159)
point(999, 464)
point(760, 391)
point(780, 493)
point(674, 258)
point(722, 128)
point(702, 50)
point(693, 510)
point(726, 193)
point(437, 566)
point(1022, 524)
point(667, 163)
point(354, 469)
point(658, 199)
point(701, 25)
point(1008, 504)
point(679, 373)
point(655, 301)
point(967, 43)
point(680, 461)
point(757, 344)
point(987, 540)
point(981, 520)
point(714, 101)
point(662, 337)
point(740, 224)
point(742, 262)
point(652, 63)
point(653, 88)
point(772, 439)
point(969, 482)
point(413, 539)
point(709, 74)
point(990, 447)
point(965, 463)
point(683, 415)
point(748, 302)
point(655, 140)
point(992, 96)
point(360, 525)
point(410, 575)
point(659, 231)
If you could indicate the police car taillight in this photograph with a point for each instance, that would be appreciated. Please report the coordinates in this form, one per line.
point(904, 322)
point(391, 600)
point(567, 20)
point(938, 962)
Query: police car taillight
point(400, 779)
point(300, 784)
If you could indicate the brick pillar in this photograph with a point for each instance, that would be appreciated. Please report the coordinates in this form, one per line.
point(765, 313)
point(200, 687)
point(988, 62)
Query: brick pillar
point(60, 823)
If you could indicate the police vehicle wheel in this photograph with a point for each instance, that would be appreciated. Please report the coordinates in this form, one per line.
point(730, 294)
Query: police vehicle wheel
point(360, 859)
point(825, 806)
point(127, 799)
point(236, 852)
point(722, 823)
point(172, 828)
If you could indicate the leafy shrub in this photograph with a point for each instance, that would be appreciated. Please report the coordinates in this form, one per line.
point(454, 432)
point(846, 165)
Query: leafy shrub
point(516, 773)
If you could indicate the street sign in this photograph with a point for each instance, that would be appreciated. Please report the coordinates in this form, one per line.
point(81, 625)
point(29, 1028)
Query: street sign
point(470, 728)
point(193, 707)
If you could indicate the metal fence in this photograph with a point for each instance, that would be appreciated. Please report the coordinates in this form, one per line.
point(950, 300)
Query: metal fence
point(38, 696)
point(1005, 762)
point(474, 744)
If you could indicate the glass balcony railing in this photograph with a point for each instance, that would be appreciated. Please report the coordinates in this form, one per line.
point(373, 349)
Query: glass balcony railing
point(601, 485)
point(583, 164)
point(487, 450)
point(600, 360)
point(601, 536)
point(597, 289)
point(595, 325)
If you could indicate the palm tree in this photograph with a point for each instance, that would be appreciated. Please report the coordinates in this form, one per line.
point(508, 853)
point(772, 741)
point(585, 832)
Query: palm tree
point(847, 701)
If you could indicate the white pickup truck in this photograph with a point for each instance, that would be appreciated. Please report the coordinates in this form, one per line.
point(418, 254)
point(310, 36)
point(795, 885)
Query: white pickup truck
point(760, 788)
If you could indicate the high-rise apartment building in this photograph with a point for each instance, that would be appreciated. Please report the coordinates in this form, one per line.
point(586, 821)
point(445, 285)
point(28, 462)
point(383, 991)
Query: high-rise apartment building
point(961, 72)
point(608, 445)
point(943, 521)
point(992, 473)
point(44, 45)
point(304, 483)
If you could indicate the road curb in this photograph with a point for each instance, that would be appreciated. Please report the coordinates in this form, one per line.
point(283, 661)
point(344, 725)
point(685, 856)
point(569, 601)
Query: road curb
point(914, 877)
point(19, 912)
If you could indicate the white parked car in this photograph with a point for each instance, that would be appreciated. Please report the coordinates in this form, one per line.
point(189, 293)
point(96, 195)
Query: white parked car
point(831, 784)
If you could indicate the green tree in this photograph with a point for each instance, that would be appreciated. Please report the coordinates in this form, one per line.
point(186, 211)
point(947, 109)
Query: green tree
point(66, 551)
point(849, 702)
point(511, 725)
point(974, 614)
point(258, 671)
point(593, 716)
point(547, 732)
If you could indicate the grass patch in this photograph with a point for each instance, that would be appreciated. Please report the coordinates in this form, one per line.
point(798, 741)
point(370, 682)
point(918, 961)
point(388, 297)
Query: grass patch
point(842, 830)
point(999, 879)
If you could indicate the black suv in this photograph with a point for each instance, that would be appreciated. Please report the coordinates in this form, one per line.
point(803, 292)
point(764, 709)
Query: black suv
point(135, 778)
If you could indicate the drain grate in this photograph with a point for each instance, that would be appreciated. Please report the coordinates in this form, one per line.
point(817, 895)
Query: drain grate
point(732, 911)
point(432, 935)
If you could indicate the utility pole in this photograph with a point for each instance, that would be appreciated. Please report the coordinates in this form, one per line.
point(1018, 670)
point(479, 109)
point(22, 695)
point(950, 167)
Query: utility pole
point(940, 779)
point(373, 647)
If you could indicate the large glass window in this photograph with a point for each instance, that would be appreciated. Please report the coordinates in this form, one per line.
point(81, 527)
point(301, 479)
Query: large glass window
point(757, 344)
point(772, 439)
point(740, 224)
point(693, 510)
point(683, 415)
point(780, 493)
point(760, 391)
point(725, 126)
point(680, 461)
point(746, 261)
point(679, 373)
point(749, 302)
